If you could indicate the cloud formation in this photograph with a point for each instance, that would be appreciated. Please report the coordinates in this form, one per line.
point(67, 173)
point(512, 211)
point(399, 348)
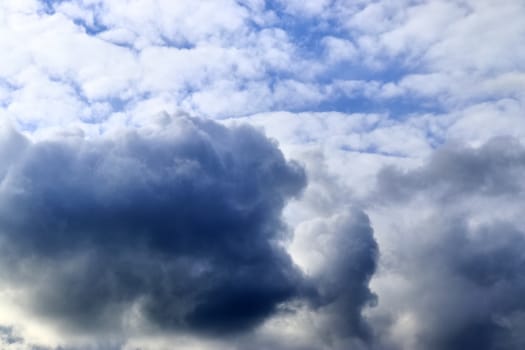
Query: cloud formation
point(176, 228)
point(350, 253)
point(182, 225)
point(407, 234)
point(458, 240)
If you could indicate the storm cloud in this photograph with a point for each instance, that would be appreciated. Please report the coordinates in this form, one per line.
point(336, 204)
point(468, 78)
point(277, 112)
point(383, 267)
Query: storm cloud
point(179, 227)
point(459, 242)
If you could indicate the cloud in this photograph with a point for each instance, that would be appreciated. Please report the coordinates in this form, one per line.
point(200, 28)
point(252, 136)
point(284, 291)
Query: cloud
point(8, 337)
point(92, 184)
point(179, 228)
point(454, 236)
point(367, 56)
point(347, 253)
point(309, 9)
point(335, 246)
point(174, 228)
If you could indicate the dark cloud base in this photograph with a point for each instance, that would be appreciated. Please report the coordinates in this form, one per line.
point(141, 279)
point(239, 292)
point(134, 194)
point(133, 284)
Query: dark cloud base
point(178, 228)
point(184, 223)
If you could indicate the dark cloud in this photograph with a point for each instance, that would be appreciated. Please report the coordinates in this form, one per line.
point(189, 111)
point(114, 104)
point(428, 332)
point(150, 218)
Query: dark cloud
point(461, 217)
point(180, 227)
point(342, 291)
point(336, 245)
point(175, 228)
point(454, 171)
point(481, 276)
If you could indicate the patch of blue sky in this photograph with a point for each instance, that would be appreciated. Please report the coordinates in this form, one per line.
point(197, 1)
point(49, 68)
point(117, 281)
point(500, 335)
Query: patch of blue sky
point(435, 139)
point(392, 70)
point(306, 32)
point(398, 108)
point(102, 110)
point(92, 29)
point(49, 5)
point(120, 104)
point(176, 42)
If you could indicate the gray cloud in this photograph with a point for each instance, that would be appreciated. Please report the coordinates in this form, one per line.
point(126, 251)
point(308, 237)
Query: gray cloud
point(8, 336)
point(175, 228)
point(351, 253)
point(462, 247)
point(335, 244)
point(455, 170)
point(182, 225)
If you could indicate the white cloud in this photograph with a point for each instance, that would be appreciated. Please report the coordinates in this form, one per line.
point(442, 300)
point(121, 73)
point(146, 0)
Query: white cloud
point(308, 8)
point(227, 99)
point(339, 49)
point(481, 122)
point(41, 102)
point(161, 20)
point(457, 48)
point(350, 147)
point(423, 25)
point(484, 41)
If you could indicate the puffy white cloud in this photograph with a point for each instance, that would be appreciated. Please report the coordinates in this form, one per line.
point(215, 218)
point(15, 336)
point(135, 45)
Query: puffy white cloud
point(458, 49)
point(339, 49)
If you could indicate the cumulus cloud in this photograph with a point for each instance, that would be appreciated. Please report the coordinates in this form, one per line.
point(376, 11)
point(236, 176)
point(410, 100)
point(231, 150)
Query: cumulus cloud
point(347, 253)
point(455, 245)
point(182, 225)
point(175, 228)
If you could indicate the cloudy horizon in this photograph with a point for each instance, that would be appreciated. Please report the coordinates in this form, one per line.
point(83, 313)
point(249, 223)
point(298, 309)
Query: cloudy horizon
point(262, 174)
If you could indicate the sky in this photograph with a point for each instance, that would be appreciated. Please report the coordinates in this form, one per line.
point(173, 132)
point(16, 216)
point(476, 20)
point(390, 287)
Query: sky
point(262, 174)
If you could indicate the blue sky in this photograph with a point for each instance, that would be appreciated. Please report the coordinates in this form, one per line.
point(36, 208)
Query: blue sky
point(394, 134)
